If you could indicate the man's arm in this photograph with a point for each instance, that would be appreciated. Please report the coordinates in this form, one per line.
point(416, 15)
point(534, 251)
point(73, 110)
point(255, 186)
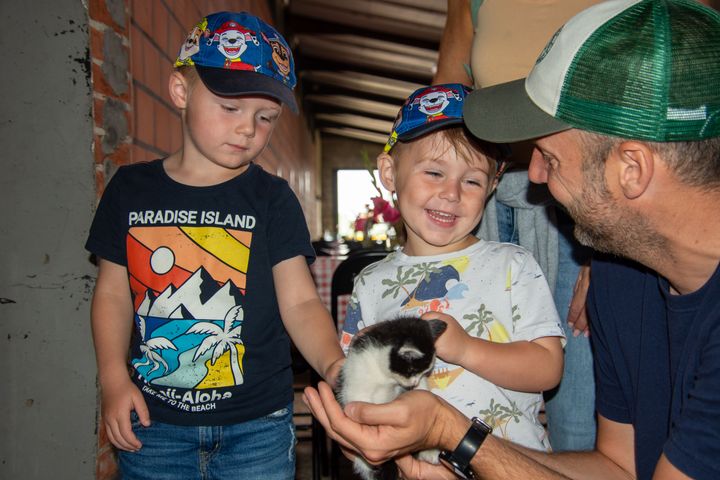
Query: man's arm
point(306, 319)
point(419, 420)
point(455, 44)
point(614, 457)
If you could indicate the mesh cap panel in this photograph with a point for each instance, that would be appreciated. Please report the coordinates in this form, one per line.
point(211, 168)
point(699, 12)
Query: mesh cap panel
point(652, 73)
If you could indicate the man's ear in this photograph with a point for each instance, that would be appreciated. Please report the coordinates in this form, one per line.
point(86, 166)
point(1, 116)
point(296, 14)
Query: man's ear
point(179, 89)
point(386, 169)
point(636, 161)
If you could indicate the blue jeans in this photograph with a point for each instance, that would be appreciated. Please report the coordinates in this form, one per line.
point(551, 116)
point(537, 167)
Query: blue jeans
point(570, 407)
point(263, 448)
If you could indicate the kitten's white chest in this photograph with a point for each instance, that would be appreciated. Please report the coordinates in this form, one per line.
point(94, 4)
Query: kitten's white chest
point(366, 378)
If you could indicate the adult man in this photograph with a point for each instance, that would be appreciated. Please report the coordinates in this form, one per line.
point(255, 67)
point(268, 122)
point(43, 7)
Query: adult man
point(625, 104)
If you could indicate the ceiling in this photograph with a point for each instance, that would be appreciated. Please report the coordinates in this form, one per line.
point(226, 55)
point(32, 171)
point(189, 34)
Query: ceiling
point(357, 60)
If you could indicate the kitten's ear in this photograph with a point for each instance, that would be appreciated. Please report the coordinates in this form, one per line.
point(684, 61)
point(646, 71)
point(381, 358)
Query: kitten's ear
point(409, 353)
point(437, 327)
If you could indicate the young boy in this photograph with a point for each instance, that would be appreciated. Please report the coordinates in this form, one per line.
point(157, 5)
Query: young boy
point(505, 346)
point(208, 254)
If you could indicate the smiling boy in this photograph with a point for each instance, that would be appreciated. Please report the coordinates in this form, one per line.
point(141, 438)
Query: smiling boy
point(503, 344)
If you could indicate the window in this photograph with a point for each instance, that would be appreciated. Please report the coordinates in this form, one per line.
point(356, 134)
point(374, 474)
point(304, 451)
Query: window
point(355, 191)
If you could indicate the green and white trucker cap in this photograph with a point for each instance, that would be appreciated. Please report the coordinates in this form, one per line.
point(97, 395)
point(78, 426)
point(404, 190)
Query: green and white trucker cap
point(643, 69)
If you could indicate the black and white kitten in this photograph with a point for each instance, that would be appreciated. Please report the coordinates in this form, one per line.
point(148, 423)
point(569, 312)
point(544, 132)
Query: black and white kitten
point(384, 361)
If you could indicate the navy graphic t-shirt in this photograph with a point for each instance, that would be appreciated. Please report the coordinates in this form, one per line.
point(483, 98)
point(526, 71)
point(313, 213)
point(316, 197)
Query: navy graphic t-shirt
point(209, 346)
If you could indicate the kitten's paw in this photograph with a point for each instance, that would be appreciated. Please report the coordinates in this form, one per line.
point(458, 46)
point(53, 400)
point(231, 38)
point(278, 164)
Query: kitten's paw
point(364, 470)
point(386, 471)
point(429, 456)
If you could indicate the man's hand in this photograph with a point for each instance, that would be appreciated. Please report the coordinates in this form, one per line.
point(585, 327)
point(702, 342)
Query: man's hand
point(118, 400)
point(331, 375)
point(416, 420)
point(577, 314)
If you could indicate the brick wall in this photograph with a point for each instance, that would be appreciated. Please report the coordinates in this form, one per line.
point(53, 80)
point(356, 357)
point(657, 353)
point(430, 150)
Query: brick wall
point(112, 94)
point(133, 44)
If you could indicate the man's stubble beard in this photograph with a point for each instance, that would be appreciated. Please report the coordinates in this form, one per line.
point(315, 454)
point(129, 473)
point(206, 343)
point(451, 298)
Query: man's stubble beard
point(604, 225)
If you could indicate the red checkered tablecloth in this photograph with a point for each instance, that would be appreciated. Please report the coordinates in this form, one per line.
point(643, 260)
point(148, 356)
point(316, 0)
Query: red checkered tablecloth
point(322, 270)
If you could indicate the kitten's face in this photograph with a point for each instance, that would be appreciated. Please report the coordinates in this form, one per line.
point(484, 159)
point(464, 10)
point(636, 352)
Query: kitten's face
point(409, 363)
point(410, 344)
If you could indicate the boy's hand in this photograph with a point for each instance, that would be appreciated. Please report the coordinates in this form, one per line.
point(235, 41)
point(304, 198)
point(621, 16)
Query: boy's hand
point(118, 400)
point(452, 343)
point(332, 372)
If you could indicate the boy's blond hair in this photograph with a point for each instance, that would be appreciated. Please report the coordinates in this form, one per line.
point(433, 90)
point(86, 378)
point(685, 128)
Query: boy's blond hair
point(465, 145)
point(189, 73)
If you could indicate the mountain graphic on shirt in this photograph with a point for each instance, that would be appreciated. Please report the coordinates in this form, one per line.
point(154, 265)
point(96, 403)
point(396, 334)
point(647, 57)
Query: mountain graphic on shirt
point(191, 335)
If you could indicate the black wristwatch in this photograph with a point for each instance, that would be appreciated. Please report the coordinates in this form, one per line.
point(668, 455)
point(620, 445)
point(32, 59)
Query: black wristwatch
point(459, 459)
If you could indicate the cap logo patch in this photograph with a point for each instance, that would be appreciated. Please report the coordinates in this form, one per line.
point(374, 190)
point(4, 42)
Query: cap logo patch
point(548, 47)
point(232, 40)
point(280, 55)
point(699, 113)
point(434, 101)
point(191, 46)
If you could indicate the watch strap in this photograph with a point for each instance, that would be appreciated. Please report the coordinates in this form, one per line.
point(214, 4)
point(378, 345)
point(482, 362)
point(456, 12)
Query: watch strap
point(470, 443)
point(463, 454)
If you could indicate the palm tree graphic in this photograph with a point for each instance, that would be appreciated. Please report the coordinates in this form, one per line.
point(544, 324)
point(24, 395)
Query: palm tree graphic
point(480, 320)
point(408, 278)
point(515, 315)
point(221, 339)
point(360, 278)
point(498, 415)
point(149, 349)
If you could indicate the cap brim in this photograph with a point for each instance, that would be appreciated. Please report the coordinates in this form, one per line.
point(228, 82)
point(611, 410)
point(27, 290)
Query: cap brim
point(229, 83)
point(505, 113)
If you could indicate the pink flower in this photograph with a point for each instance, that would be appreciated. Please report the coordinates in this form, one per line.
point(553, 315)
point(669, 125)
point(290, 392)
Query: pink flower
point(391, 214)
point(381, 208)
point(360, 224)
point(379, 204)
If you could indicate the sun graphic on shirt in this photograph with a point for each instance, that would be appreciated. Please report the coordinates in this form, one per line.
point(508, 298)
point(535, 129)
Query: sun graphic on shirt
point(162, 260)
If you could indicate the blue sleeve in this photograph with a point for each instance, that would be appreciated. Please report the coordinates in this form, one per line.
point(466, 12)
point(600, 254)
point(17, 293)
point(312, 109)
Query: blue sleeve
point(288, 233)
point(610, 399)
point(694, 444)
point(108, 230)
point(474, 8)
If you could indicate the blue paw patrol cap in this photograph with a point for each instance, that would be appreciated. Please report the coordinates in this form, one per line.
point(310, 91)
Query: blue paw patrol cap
point(428, 109)
point(240, 54)
point(431, 108)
